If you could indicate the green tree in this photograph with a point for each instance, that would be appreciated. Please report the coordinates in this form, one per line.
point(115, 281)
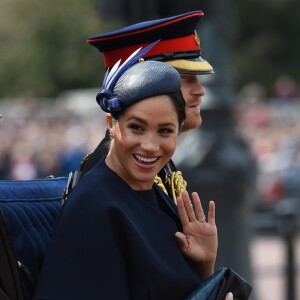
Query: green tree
point(267, 40)
point(43, 47)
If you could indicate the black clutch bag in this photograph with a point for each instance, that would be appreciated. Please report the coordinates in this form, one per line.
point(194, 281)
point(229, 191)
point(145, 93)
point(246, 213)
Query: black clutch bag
point(217, 286)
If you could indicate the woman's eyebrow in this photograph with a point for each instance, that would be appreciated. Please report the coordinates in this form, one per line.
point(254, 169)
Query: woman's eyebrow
point(167, 124)
point(145, 122)
point(134, 118)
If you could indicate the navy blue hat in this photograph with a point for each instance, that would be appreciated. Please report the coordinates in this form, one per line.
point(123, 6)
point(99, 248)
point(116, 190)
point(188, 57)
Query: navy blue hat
point(131, 82)
point(179, 43)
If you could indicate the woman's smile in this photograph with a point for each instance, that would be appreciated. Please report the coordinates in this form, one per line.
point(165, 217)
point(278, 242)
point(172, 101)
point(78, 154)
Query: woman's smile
point(145, 160)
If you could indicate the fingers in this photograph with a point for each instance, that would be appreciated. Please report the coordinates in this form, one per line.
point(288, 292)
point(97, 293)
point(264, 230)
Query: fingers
point(188, 206)
point(185, 208)
point(183, 244)
point(229, 296)
point(212, 213)
point(188, 213)
point(199, 213)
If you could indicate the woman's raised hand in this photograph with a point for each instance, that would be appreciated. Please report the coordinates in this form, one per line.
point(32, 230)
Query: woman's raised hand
point(199, 240)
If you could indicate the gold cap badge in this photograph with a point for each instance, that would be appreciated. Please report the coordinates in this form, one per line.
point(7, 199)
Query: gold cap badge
point(197, 39)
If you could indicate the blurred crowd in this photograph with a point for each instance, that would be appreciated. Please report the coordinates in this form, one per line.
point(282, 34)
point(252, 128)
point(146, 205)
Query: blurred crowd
point(42, 138)
point(270, 123)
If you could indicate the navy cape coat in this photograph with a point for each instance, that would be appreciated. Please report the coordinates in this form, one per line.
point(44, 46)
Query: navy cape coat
point(112, 242)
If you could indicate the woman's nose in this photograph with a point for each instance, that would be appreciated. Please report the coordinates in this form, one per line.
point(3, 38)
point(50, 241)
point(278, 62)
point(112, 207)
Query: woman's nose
point(150, 144)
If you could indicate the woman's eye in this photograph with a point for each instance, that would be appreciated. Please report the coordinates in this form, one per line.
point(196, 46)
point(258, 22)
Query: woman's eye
point(136, 127)
point(165, 131)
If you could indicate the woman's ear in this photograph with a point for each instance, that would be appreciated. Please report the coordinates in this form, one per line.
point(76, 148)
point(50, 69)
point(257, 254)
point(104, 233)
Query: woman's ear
point(109, 122)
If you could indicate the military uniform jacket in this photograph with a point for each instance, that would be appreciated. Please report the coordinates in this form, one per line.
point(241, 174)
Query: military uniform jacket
point(112, 242)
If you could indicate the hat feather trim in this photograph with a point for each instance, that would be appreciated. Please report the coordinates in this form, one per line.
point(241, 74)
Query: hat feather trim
point(113, 75)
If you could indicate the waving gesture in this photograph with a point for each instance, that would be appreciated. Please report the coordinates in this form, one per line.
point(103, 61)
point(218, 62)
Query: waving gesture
point(199, 239)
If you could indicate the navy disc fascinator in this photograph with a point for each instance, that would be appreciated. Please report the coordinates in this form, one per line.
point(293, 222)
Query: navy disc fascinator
point(133, 81)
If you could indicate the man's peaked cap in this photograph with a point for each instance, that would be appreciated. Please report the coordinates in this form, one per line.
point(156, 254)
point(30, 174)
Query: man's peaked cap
point(179, 43)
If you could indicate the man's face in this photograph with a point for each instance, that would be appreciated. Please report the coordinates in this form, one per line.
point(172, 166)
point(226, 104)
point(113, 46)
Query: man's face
point(193, 92)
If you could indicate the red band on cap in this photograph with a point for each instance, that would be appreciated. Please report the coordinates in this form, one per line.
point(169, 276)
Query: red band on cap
point(182, 44)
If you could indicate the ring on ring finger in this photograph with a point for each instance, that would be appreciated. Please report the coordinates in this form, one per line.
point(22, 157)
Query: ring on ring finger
point(202, 218)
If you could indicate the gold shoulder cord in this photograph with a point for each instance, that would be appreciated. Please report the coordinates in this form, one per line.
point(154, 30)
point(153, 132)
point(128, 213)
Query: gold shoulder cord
point(178, 185)
point(175, 181)
point(159, 182)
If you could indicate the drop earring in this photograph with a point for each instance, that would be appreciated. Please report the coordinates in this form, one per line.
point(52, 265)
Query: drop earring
point(111, 134)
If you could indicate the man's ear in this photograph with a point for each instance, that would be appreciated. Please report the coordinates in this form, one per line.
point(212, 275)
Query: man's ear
point(181, 126)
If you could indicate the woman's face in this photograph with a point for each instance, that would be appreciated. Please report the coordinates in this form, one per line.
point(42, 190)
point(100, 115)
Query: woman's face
point(144, 140)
